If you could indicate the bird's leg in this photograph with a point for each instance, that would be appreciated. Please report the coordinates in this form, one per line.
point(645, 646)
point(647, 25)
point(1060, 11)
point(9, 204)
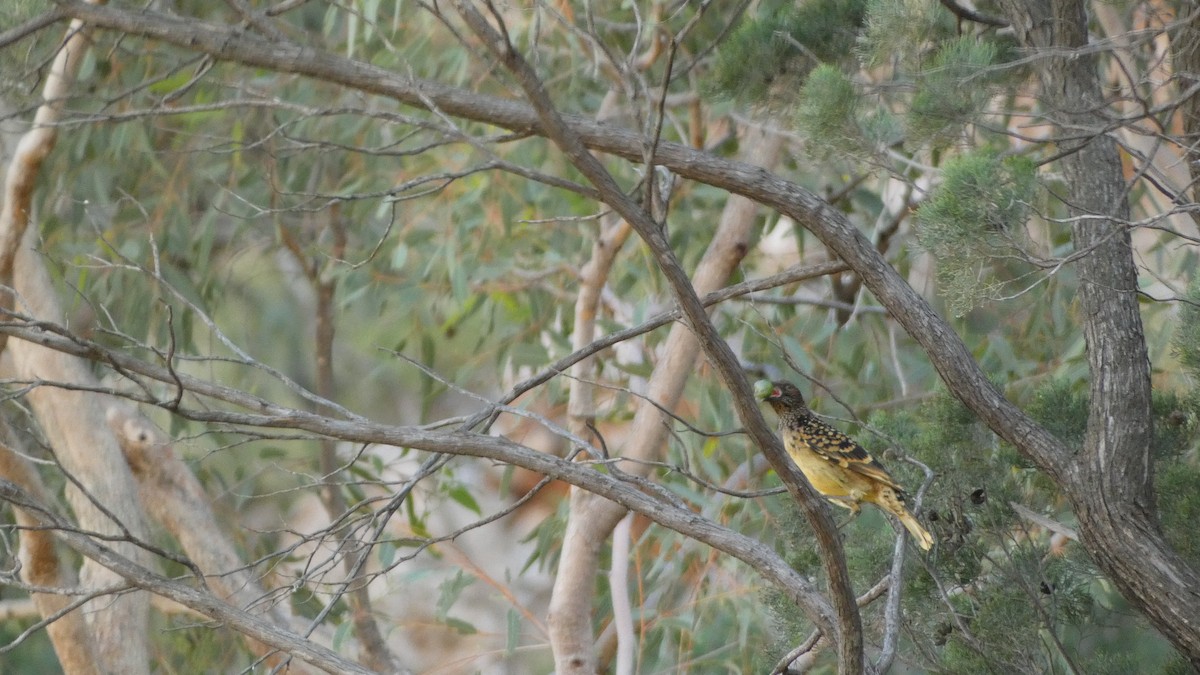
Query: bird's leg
point(849, 503)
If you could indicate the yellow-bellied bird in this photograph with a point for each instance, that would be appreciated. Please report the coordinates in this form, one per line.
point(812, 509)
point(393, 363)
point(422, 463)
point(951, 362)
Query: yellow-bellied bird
point(833, 463)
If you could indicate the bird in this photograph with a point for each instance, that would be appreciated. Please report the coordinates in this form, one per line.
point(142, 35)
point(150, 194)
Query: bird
point(834, 464)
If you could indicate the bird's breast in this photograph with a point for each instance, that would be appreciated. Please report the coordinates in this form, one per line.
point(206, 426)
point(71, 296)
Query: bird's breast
point(827, 477)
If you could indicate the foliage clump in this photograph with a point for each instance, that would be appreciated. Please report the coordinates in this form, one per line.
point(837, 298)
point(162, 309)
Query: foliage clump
point(1062, 408)
point(1178, 485)
point(952, 89)
point(949, 77)
point(973, 218)
point(1177, 469)
point(766, 58)
point(828, 110)
point(1187, 334)
point(901, 30)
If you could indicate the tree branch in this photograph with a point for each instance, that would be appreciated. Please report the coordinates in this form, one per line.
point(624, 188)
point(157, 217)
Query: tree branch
point(198, 600)
point(18, 33)
point(271, 415)
point(591, 519)
point(848, 633)
point(941, 344)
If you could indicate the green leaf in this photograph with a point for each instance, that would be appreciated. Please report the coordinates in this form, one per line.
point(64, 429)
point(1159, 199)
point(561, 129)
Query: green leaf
point(387, 553)
point(340, 635)
point(450, 590)
point(399, 256)
point(513, 632)
point(460, 494)
point(462, 627)
point(170, 84)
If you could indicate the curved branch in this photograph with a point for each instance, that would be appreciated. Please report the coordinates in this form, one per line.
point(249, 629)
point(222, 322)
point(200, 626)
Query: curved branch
point(972, 15)
point(941, 344)
point(848, 635)
point(199, 600)
point(265, 413)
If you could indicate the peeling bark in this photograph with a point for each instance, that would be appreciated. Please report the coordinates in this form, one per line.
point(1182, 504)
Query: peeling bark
point(73, 422)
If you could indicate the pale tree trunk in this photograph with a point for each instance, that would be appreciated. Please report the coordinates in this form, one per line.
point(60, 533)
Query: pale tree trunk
point(570, 621)
point(72, 421)
point(41, 566)
point(74, 425)
point(847, 631)
point(174, 498)
point(1111, 484)
point(591, 519)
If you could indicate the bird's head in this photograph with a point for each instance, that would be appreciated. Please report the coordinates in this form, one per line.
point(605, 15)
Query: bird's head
point(783, 396)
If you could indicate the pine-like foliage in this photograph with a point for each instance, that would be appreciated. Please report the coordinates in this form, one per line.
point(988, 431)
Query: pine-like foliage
point(939, 104)
point(766, 58)
point(901, 31)
point(1187, 336)
point(828, 112)
point(952, 88)
point(946, 79)
point(976, 215)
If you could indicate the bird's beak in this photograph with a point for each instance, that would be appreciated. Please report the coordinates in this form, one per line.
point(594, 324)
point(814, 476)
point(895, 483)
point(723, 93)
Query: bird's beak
point(763, 389)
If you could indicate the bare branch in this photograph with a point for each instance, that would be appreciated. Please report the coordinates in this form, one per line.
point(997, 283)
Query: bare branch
point(18, 33)
point(173, 497)
point(944, 348)
point(270, 415)
point(198, 600)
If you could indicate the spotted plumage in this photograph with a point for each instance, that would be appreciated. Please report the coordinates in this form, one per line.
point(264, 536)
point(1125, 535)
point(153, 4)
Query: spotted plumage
point(833, 463)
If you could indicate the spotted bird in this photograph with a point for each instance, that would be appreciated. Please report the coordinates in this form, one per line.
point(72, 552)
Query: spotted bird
point(836, 466)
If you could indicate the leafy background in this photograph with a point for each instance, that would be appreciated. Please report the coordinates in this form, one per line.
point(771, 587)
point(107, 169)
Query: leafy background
point(172, 197)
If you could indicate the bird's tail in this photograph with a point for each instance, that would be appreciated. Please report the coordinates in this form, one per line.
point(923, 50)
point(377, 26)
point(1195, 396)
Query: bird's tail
point(894, 504)
point(924, 539)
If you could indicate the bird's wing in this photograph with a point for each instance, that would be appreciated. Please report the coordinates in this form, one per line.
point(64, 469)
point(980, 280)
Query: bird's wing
point(838, 448)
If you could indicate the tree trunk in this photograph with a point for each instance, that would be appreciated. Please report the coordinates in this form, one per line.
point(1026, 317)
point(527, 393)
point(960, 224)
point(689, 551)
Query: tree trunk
point(1111, 487)
point(592, 519)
